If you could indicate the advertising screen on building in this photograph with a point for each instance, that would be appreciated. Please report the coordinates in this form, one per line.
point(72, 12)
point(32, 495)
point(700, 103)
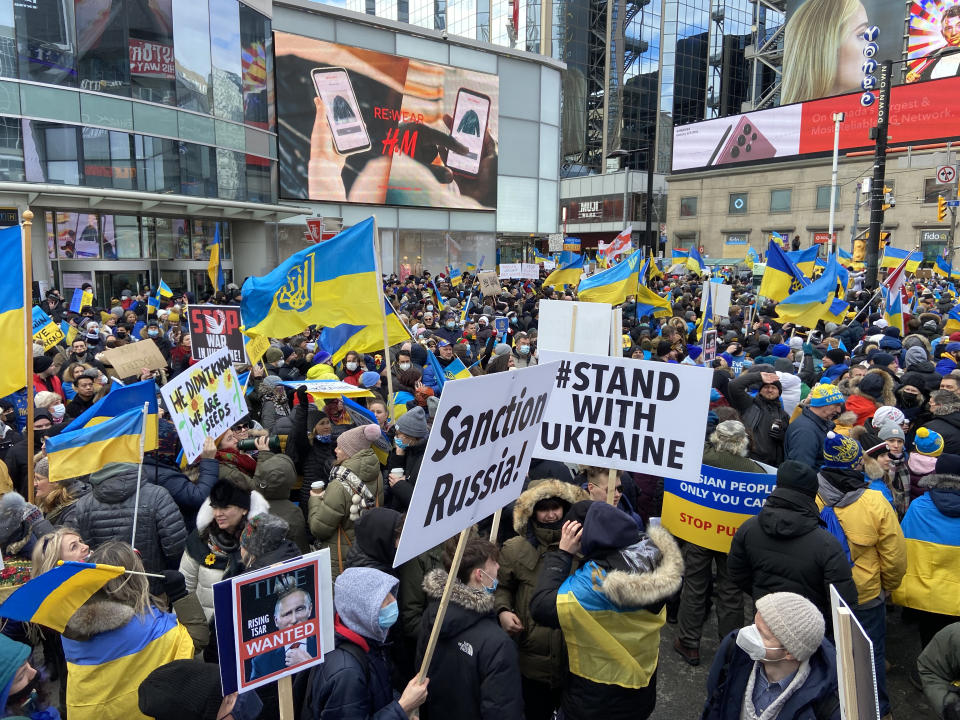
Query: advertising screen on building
point(920, 113)
point(361, 126)
point(819, 61)
point(933, 40)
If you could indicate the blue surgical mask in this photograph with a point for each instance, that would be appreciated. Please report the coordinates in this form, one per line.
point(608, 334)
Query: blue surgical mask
point(388, 615)
point(323, 438)
point(153, 333)
point(451, 324)
point(493, 588)
point(523, 349)
point(400, 443)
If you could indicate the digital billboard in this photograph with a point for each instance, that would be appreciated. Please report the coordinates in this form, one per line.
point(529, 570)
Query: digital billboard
point(919, 113)
point(933, 40)
point(362, 126)
point(823, 45)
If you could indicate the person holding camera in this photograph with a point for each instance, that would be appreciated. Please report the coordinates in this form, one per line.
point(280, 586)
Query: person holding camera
point(763, 414)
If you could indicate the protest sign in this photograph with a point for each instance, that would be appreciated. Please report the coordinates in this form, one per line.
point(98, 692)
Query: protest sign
point(856, 672)
point(707, 512)
point(204, 400)
point(130, 359)
point(626, 414)
point(502, 325)
point(256, 346)
point(329, 388)
point(45, 330)
point(213, 327)
point(489, 283)
point(588, 323)
point(529, 271)
point(720, 297)
point(508, 271)
point(477, 454)
point(274, 622)
point(709, 346)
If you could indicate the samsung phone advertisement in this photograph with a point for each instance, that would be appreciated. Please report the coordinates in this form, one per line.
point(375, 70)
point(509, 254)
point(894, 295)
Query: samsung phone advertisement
point(361, 126)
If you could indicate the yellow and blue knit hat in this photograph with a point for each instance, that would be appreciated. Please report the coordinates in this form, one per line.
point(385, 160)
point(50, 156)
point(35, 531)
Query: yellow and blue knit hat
point(928, 442)
point(825, 394)
point(841, 452)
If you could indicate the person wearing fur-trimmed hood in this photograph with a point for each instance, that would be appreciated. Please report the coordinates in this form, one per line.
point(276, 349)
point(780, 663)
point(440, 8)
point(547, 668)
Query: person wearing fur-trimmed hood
point(610, 610)
point(537, 520)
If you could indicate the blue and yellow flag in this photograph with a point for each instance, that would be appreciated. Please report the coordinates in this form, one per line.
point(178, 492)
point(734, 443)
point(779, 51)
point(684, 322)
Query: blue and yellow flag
point(706, 321)
point(437, 296)
point(816, 301)
point(80, 452)
point(341, 339)
point(455, 276)
point(13, 334)
point(892, 308)
point(456, 370)
point(614, 284)
point(52, 598)
point(804, 260)
point(678, 254)
point(330, 283)
point(780, 277)
point(539, 257)
point(751, 257)
point(953, 321)
point(695, 262)
point(892, 257)
point(472, 268)
point(153, 304)
point(649, 303)
point(653, 271)
point(214, 267)
point(163, 290)
point(567, 273)
point(80, 299)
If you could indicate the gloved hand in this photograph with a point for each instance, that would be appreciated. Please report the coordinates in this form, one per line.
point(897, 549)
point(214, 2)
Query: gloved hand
point(302, 398)
point(174, 585)
point(951, 707)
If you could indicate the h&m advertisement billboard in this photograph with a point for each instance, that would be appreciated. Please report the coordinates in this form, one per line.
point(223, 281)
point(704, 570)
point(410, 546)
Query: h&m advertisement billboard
point(362, 126)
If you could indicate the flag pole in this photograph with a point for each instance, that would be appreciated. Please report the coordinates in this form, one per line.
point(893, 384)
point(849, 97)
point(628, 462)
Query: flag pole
point(136, 499)
point(28, 329)
point(383, 318)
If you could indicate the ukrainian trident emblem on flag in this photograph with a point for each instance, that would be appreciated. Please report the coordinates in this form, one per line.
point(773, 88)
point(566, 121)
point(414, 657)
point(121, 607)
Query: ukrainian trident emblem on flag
point(296, 295)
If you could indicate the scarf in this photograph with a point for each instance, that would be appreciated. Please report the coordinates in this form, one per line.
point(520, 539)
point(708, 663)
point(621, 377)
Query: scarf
point(241, 461)
point(750, 713)
point(222, 543)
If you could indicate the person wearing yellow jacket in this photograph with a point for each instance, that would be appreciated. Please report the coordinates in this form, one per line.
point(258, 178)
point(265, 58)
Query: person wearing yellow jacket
point(865, 522)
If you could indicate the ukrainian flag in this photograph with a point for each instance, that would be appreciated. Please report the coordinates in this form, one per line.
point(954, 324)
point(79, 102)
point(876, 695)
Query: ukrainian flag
point(677, 254)
point(455, 277)
point(613, 285)
point(892, 308)
point(695, 262)
point(436, 294)
point(456, 370)
point(52, 598)
point(653, 271)
point(567, 274)
point(706, 321)
point(153, 304)
point(892, 257)
point(471, 268)
point(80, 300)
point(817, 301)
point(163, 290)
point(804, 260)
point(649, 303)
point(84, 451)
point(781, 277)
point(953, 321)
point(752, 257)
point(13, 334)
point(539, 257)
point(945, 269)
point(340, 339)
point(332, 283)
point(214, 268)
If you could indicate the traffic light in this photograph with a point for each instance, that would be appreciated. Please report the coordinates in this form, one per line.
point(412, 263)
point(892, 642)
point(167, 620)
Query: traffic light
point(889, 200)
point(941, 208)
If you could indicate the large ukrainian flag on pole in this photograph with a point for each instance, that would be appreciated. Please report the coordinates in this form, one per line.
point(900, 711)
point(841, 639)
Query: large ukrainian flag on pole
point(332, 283)
point(341, 339)
point(781, 277)
point(613, 285)
point(817, 301)
point(13, 335)
point(84, 451)
point(804, 260)
point(892, 257)
point(567, 274)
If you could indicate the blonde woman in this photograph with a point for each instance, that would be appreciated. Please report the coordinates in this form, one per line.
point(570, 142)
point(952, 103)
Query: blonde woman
point(823, 50)
point(63, 544)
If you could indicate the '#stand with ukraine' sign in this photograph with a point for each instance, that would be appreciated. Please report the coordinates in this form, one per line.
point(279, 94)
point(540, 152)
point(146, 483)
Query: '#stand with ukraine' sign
point(709, 512)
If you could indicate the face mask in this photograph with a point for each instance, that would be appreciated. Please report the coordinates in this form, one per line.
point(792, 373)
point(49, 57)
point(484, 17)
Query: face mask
point(351, 366)
point(429, 307)
point(311, 346)
point(153, 333)
point(93, 335)
point(38, 436)
point(524, 349)
point(451, 324)
point(513, 321)
point(325, 439)
point(750, 641)
point(388, 615)
point(493, 588)
point(404, 366)
point(910, 400)
point(401, 445)
point(58, 411)
point(280, 363)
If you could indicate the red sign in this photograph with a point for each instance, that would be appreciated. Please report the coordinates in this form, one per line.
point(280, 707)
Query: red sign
point(823, 237)
point(213, 327)
point(315, 231)
point(151, 59)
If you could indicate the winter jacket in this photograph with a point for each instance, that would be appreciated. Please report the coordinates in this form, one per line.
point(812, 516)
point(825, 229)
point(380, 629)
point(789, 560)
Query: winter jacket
point(730, 672)
point(861, 406)
point(412, 598)
point(784, 549)
point(274, 478)
point(877, 547)
point(474, 672)
point(758, 416)
point(729, 461)
point(201, 566)
point(399, 495)
point(375, 540)
point(931, 528)
point(922, 375)
point(939, 666)
point(542, 653)
point(948, 426)
point(805, 436)
point(106, 513)
point(312, 458)
point(188, 495)
point(621, 610)
point(49, 384)
point(109, 651)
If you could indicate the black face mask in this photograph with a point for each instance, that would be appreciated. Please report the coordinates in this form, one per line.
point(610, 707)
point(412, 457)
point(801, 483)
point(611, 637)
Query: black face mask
point(556, 525)
point(38, 435)
point(909, 400)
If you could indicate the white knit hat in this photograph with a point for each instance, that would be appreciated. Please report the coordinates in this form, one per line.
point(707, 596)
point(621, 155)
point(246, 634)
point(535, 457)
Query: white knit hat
point(795, 622)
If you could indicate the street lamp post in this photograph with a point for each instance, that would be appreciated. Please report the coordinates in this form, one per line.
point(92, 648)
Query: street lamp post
point(837, 119)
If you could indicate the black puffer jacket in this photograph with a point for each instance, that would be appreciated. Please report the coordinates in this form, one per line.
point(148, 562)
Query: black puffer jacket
point(759, 415)
point(106, 513)
point(948, 425)
point(785, 549)
point(474, 673)
point(375, 543)
point(399, 495)
point(188, 495)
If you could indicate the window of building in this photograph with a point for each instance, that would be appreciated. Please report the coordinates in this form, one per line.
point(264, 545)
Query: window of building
point(102, 58)
point(53, 151)
point(823, 197)
point(150, 50)
point(173, 239)
point(688, 206)
point(11, 150)
point(157, 163)
point(8, 41)
point(780, 200)
point(225, 56)
point(738, 203)
point(46, 41)
point(933, 189)
point(191, 47)
point(256, 41)
point(230, 181)
point(198, 173)
point(107, 159)
point(261, 179)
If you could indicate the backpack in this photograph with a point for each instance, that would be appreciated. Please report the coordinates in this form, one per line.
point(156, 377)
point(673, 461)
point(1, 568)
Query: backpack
point(351, 649)
point(828, 516)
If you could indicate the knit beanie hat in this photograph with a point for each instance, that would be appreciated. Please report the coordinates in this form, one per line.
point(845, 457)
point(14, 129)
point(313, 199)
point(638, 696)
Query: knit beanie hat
point(948, 464)
point(824, 394)
point(794, 621)
point(872, 384)
point(915, 355)
point(841, 452)
point(263, 534)
point(694, 351)
point(780, 351)
point(12, 655)
point(881, 359)
point(890, 431)
point(836, 356)
point(369, 379)
point(730, 431)
point(273, 355)
point(225, 493)
point(271, 381)
point(356, 439)
point(795, 475)
point(358, 593)
point(413, 423)
point(42, 363)
point(888, 415)
point(181, 690)
point(606, 528)
point(501, 349)
point(928, 442)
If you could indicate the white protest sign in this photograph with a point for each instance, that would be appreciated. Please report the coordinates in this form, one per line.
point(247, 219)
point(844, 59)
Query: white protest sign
point(509, 271)
point(627, 414)
point(477, 455)
point(489, 283)
point(591, 333)
point(529, 271)
point(857, 686)
point(204, 400)
point(720, 295)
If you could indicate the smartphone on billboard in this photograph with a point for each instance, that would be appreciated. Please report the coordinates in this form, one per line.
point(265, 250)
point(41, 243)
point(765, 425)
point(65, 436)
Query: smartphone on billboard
point(746, 143)
point(470, 116)
point(343, 113)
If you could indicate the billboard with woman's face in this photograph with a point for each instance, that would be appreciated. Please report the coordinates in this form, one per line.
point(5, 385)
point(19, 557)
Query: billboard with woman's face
point(362, 126)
